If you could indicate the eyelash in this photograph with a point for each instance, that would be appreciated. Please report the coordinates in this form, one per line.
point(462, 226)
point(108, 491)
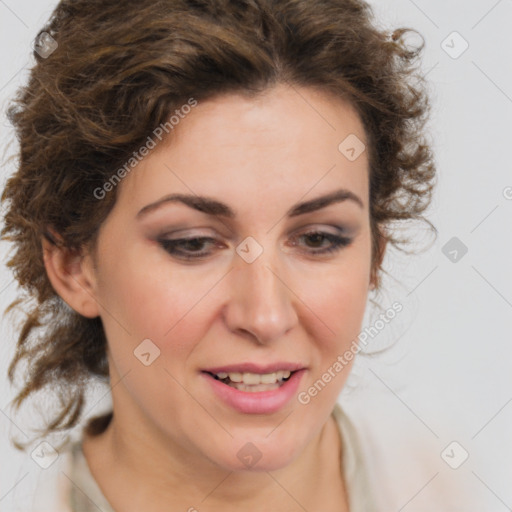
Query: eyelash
point(171, 246)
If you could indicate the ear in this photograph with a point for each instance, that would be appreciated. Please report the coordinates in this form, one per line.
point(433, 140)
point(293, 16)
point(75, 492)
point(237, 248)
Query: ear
point(71, 273)
point(378, 258)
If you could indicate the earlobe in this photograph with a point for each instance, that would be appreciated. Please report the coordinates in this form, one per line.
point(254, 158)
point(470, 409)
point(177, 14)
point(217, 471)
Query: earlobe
point(71, 275)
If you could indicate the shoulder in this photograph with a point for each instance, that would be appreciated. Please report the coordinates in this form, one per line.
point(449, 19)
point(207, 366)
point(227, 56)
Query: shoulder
point(42, 481)
point(392, 459)
point(57, 480)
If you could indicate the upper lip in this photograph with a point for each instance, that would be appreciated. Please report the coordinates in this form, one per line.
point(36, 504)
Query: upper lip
point(255, 368)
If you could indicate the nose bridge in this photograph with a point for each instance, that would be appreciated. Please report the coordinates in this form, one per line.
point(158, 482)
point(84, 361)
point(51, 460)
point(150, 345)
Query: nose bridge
point(261, 303)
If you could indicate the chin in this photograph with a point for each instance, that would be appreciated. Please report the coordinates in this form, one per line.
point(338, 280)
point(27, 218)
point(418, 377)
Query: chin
point(259, 453)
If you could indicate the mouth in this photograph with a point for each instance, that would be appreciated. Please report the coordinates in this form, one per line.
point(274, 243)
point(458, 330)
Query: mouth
point(253, 382)
point(255, 389)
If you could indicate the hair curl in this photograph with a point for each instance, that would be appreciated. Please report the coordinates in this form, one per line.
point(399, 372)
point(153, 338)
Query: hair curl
point(121, 69)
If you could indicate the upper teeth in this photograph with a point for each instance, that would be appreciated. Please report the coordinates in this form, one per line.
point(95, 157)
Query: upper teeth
point(255, 378)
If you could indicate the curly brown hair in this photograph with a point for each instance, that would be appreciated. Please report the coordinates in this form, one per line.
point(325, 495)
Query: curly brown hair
point(120, 69)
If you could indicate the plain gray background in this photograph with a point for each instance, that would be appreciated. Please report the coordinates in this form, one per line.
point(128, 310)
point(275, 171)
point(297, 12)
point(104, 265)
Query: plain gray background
point(448, 376)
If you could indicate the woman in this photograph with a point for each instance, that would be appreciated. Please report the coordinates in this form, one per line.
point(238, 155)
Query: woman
point(202, 204)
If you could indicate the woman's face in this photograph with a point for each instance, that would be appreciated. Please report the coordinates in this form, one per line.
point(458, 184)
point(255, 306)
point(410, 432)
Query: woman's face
point(273, 282)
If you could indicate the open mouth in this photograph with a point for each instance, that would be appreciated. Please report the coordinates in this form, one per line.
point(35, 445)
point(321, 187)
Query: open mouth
point(251, 388)
point(253, 382)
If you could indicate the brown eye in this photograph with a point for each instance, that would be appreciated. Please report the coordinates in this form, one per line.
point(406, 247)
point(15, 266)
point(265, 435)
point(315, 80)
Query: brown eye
point(317, 241)
point(187, 248)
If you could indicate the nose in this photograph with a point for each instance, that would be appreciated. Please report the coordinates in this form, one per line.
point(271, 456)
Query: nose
point(261, 303)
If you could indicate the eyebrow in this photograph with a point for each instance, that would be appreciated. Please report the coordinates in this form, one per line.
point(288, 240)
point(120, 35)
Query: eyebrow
point(215, 208)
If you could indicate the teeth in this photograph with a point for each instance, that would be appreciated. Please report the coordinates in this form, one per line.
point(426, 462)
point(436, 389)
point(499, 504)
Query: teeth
point(255, 389)
point(283, 374)
point(255, 379)
point(266, 378)
point(235, 377)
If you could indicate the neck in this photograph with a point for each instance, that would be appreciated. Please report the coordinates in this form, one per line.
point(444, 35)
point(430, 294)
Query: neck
point(159, 472)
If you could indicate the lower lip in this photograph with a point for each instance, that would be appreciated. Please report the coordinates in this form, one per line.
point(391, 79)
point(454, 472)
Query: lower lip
point(259, 402)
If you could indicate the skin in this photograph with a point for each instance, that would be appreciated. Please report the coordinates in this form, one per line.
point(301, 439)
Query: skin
point(171, 440)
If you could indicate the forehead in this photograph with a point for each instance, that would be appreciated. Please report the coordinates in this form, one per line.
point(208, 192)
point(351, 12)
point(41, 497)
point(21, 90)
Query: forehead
point(282, 143)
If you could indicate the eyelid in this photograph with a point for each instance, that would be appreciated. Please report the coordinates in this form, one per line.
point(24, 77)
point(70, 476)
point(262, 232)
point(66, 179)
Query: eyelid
point(339, 230)
point(337, 242)
point(186, 233)
point(209, 232)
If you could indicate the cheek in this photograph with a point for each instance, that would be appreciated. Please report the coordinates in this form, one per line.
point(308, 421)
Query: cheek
point(338, 296)
point(340, 307)
point(339, 311)
point(156, 302)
